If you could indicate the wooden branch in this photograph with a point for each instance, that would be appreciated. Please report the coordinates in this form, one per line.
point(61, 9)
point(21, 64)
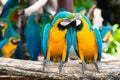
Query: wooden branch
point(25, 70)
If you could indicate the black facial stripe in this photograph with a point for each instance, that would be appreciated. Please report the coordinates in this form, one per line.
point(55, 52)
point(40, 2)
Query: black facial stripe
point(15, 43)
point(73, 23)
point(61, 27)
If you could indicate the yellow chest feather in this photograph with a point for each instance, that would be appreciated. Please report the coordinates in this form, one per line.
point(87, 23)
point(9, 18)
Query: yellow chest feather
point(87, 44)
point(56, 41)
point(8, 49)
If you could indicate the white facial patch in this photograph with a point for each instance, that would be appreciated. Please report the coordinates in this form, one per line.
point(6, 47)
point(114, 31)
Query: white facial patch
point(78, 16)
point(65, 22)
point(1, 24)
point(78, 22)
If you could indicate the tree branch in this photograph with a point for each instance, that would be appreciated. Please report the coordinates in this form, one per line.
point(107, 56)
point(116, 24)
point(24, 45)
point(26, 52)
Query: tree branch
point(13, 68)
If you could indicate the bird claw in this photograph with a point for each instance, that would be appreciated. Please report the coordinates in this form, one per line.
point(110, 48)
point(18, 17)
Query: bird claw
point(60, 66)
point(83, 67)
point(45, 63)
point(96, 65)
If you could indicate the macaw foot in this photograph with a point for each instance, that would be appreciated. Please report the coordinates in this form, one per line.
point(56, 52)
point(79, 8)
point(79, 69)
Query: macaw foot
point(60, 66)
point(45, 64)
point(83, 67)
point(96, 65)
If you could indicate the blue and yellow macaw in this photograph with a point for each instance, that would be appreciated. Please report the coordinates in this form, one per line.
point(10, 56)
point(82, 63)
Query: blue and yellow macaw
point(56, 39)
point(7, 31)
point(32, 37)
point(87, 41)
point(106, 33)
point(8, 46)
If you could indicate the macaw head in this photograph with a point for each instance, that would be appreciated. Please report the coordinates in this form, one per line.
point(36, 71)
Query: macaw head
point(44, 18)
point(15, 39)
point(81, 22)
point(47, 17)
point(63, 20)
point(77, 22)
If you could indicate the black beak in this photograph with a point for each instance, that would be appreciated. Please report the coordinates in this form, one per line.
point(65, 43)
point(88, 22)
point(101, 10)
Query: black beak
point(77, 24)
point(73, 23)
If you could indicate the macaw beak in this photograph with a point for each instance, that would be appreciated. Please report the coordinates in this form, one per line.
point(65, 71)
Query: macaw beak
point(76, 21)
point(15, 40)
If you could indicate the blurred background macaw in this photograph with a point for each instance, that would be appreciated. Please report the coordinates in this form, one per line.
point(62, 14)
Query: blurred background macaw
point(32, 37)
point(7, 31)
point(8, 46)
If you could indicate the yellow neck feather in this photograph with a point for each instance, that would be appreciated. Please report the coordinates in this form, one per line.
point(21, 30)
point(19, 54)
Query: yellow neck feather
point(85, 25)
point(5, 27)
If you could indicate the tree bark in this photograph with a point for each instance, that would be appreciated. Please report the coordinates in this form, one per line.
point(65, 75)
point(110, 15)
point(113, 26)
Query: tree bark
point(14, 69)
point(67, 4)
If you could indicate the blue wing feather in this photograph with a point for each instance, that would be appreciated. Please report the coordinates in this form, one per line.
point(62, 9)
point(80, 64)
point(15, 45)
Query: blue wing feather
point(45, 39)
point(74, 42)
point(69, 41)
point(99, 43)
point(105, 30)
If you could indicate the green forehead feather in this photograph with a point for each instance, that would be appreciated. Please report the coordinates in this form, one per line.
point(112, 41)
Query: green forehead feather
point(71, 16)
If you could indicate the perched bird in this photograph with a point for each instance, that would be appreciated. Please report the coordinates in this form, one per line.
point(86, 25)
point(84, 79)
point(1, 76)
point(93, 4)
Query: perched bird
point(56, 39)
point(8, 46)
point(87, 42)
point(106, 33)
point(32, 37)
point(7, 31)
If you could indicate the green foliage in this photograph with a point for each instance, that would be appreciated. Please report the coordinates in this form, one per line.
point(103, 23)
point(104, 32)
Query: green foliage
point(114, 46)
point(87, 4)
